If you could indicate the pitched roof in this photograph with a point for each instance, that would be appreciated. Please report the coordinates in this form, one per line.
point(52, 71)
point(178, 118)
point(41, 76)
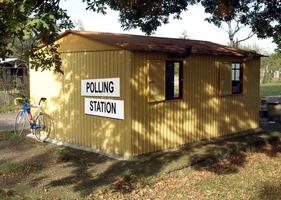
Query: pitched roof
point(161, 44)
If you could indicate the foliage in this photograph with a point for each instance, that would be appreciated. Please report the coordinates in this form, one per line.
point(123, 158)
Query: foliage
point(269, 65)
point(253, 47)
point(28, 23)
point(184, 35)
point(13, 83)
point(233, 28)
point(147, 15)
point(25, 24)
point(263, 16)
point(19, 47)
point(46, 58)
point(78, 24)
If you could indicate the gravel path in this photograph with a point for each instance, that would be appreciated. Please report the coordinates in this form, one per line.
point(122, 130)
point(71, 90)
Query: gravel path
point(7, 121)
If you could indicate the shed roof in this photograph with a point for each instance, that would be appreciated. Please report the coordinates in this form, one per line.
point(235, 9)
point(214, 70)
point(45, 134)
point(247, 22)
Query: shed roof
point(15, 62)
point(161, 44)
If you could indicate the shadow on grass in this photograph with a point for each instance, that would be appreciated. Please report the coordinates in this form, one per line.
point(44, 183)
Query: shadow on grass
point(270, 191)
point(222, 156)
point(14, 142)
point(90, 171)
point(13, 172)
point(233, 152)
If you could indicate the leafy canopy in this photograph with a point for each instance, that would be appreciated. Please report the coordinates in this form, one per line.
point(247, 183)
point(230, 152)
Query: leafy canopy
point(27, 23)
point(32, 22)
point(262, 16)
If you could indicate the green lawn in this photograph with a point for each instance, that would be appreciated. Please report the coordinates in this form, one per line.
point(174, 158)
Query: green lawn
point(270, 89)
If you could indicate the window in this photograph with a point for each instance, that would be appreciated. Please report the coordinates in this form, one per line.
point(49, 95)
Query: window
point(237, 78)
point(174, 80)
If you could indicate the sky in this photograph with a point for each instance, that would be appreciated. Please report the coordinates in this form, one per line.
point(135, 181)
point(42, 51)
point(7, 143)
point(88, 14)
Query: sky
point(192, 22)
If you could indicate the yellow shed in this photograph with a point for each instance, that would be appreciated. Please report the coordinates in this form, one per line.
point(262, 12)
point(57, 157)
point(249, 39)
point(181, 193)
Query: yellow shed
point(128, 95)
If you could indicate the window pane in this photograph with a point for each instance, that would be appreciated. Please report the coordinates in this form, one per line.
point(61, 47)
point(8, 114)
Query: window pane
point(236, 81)
point(169, 80)
point(233, 75)
point(173, 79)
point(176, 80)
point(237, 75)
point(235, 87)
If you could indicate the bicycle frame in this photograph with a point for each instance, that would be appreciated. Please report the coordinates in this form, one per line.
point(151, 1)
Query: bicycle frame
point(38, 124)
point(26, 110)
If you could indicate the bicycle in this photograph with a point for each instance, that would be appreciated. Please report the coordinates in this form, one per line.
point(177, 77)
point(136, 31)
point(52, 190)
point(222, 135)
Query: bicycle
point(40, 127)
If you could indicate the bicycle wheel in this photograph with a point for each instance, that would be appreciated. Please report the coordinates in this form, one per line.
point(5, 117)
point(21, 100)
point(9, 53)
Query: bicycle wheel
point(43, 127)
point(21, 125)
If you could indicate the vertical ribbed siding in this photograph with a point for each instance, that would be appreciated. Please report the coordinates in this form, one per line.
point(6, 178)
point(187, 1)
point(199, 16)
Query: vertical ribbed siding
point(201, 114)
point(67, 106)
point(147, 126)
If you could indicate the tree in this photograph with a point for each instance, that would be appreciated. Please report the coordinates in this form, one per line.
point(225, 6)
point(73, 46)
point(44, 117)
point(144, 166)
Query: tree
point(39, 21)
point(269, 65)
point(233, 28)
point(254, 47)
point(184, 35)
point(43, 20)
point(20, 47)
point(146, 14)
point(78, 24)
point(262, 16)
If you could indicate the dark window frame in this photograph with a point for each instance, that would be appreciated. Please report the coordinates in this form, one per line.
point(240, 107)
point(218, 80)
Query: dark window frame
point(169, 82)
point(236, 83)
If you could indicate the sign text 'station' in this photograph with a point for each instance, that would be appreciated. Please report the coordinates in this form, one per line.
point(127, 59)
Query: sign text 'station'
point(105, 108)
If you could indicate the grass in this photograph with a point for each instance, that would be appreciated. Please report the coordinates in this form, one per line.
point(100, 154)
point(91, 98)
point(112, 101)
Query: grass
point(8, 168)
point(11, 136)
point(258, 178)
point(8, 108)
point(15, 169)
point(252, 171)
point(270, 89)
point(238, 167)
point(10, 195)
point(66, 154)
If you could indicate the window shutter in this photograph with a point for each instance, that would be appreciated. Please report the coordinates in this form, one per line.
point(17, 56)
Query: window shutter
point(156, 80)
point(225, 79)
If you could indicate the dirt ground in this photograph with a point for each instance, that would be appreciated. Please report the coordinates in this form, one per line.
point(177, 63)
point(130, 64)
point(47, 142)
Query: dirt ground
point(246, 166)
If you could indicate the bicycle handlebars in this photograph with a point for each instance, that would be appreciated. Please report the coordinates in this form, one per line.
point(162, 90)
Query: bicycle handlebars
point(43, 99)
point(26, 100)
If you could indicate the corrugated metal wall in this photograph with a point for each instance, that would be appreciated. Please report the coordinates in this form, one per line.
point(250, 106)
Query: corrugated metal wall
point(202, 113)
point(147, 127)
point(66, 105)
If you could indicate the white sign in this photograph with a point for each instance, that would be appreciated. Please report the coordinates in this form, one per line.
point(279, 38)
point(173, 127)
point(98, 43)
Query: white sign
point(104, 108)
point(107, 87)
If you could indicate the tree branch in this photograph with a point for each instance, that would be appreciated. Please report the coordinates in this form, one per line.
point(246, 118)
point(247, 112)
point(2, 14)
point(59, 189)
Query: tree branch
point(251, 34)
